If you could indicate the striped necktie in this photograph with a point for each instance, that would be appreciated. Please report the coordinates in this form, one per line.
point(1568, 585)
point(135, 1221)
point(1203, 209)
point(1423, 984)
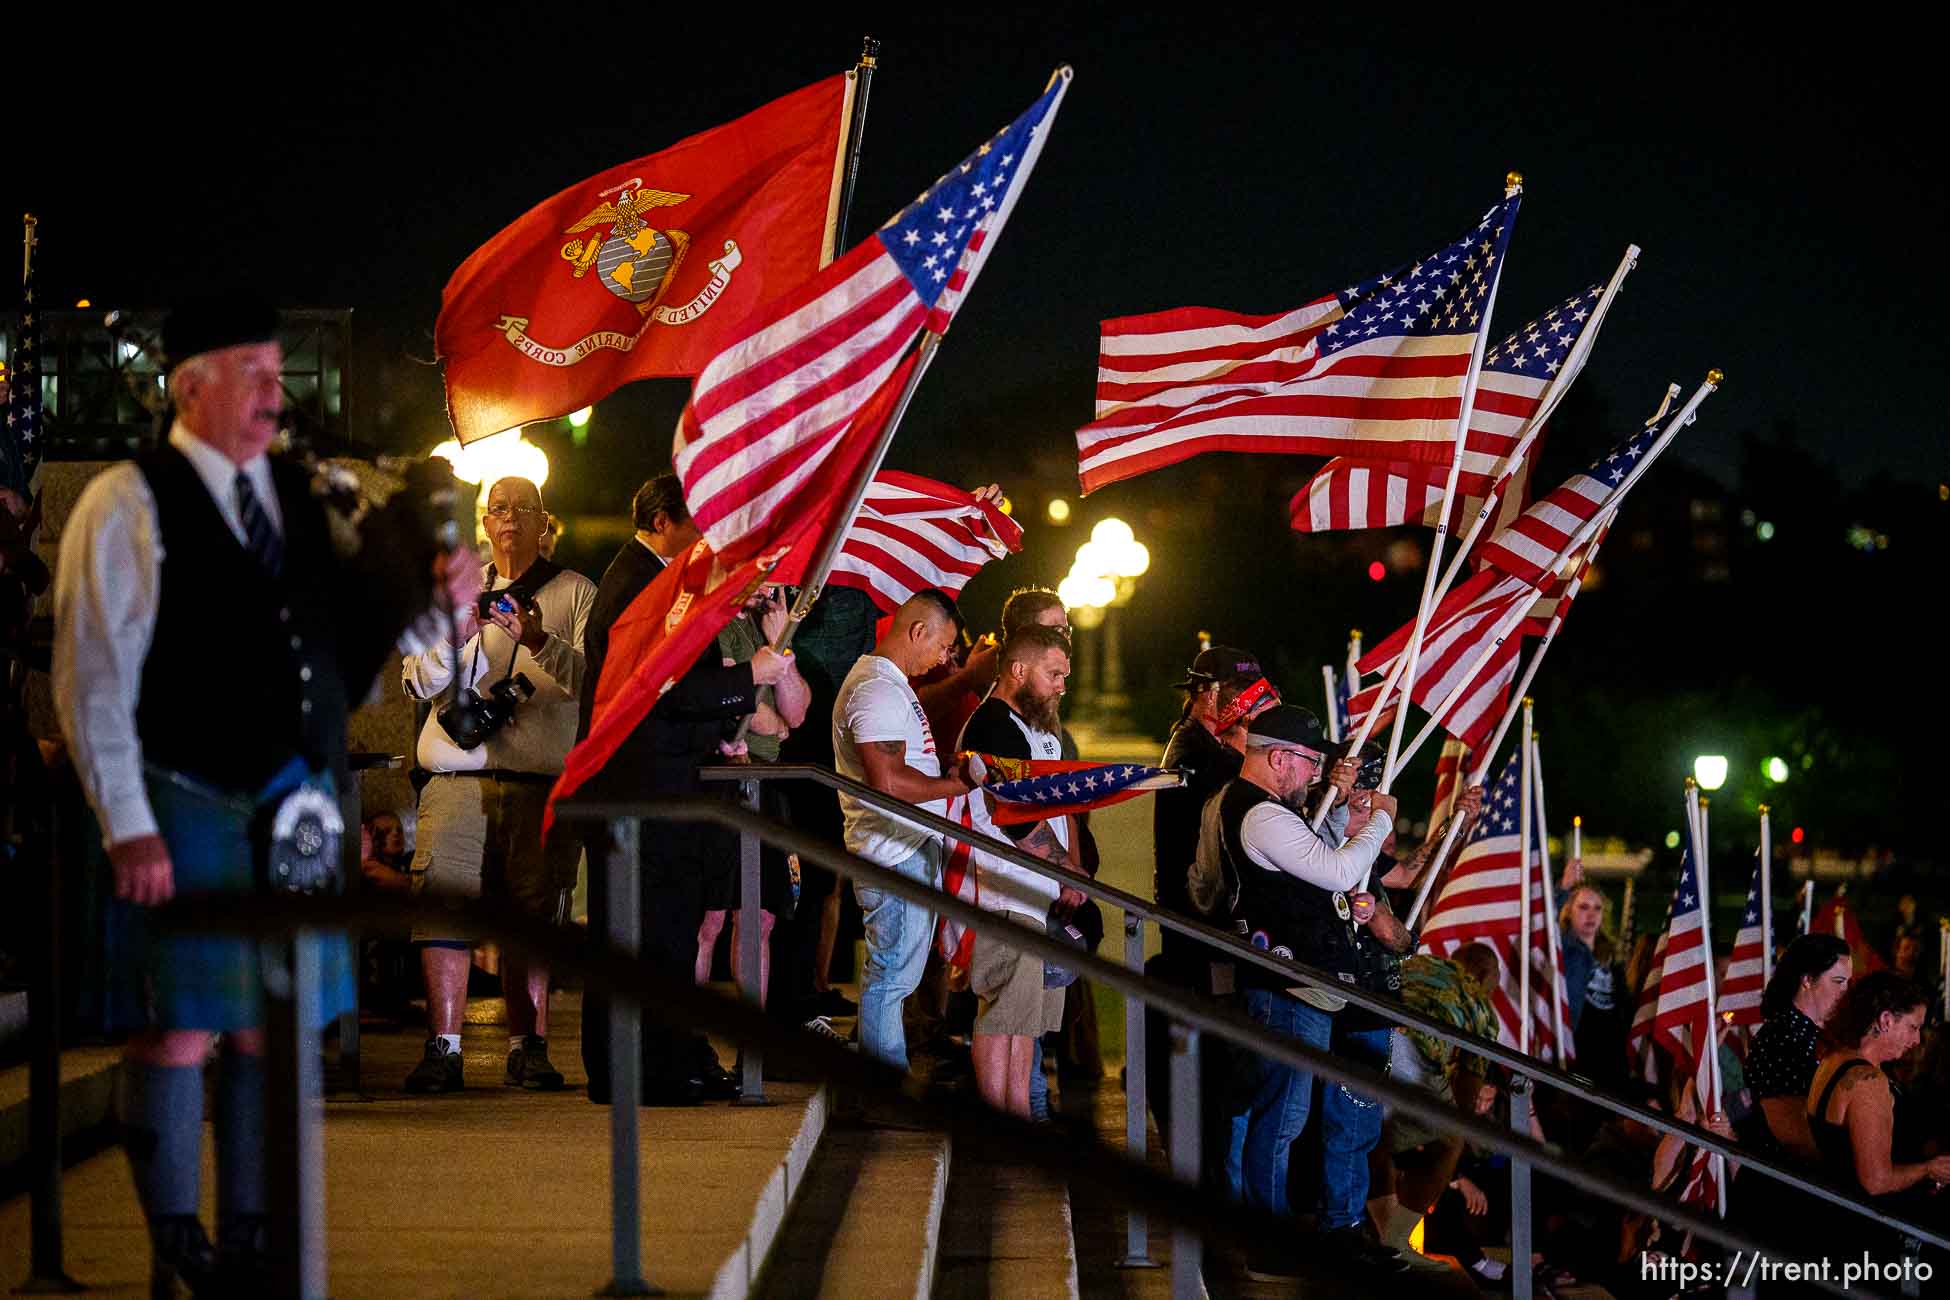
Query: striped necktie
point(260, 535)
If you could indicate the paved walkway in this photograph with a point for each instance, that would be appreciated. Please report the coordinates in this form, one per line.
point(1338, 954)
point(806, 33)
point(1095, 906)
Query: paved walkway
point(489, 1192)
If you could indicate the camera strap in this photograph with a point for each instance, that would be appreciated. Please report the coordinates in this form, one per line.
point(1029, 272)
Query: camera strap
point(523, 590)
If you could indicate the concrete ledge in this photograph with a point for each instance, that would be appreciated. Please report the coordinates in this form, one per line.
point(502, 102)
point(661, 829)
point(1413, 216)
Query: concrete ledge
point(89, 1076)
point(740, 1270)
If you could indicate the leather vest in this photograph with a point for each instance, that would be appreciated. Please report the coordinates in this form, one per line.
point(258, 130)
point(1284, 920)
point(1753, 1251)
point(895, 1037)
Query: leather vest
point(1276, 912)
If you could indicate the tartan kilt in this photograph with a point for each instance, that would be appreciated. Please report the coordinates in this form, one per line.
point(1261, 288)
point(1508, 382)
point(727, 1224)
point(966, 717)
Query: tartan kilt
point(209, 982)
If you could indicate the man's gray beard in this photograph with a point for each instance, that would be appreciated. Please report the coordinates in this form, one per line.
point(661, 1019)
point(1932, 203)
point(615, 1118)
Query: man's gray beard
point(1042, 712)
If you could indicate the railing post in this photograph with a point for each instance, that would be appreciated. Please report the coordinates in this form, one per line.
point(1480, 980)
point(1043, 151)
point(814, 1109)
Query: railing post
point(1912, 1253)
point(47, 1272)
point(621, 886)
point(1137, 1142)
point(1187, 1132)
point(1521, 1275)
point(352, 812)
point(751, 934)
point(295, 1115)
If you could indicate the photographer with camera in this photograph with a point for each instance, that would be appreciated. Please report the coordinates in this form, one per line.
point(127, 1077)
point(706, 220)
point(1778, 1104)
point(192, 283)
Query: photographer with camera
point(1287, 890)
point(206, 571)
point(495, 743)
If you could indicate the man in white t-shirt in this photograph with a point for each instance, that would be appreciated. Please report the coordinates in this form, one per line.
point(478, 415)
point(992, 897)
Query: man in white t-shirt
point(1019, 720)
point(881, 738)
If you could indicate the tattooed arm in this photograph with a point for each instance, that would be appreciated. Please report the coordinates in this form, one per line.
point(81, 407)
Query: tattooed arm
point(887, 771)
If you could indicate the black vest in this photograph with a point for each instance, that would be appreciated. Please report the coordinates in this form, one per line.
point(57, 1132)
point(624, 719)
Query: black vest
point(1276, 912)
point(243, 672)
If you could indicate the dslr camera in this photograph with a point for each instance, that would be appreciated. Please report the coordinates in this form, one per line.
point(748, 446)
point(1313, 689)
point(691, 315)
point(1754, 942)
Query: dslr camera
point(471, 717)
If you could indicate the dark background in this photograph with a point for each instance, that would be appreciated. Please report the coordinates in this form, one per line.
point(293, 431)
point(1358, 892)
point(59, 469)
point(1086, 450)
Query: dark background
point(1777, 182)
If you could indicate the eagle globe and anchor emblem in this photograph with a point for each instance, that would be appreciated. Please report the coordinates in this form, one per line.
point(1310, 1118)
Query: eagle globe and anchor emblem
point(636, 262)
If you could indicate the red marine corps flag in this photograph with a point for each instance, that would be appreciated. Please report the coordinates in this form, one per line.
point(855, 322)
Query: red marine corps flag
point(645, 270)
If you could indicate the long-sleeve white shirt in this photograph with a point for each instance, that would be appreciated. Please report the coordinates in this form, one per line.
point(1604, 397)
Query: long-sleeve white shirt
point(107, 590)
point(1277, 838)
point(544, 727)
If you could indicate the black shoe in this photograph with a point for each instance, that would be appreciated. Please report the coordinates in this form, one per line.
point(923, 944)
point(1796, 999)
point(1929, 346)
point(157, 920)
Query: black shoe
point(832, 1002)
point(1273, 1263)
point(686, 1090)
point(181, 1252)
point(1351, 1246)
point(528, 1067)
point(720, 1084)
point(244, 1256)
point(438, 1070)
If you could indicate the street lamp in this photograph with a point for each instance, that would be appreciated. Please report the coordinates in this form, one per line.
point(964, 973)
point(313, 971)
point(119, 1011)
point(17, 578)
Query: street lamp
point(1775, 769)
point(1710, 770)
point(486, 461)
point(1103, 577)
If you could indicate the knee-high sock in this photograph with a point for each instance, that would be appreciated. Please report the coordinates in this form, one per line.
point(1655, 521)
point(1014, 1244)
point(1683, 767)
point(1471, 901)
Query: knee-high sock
point(240, 1138)
point(162, 1118)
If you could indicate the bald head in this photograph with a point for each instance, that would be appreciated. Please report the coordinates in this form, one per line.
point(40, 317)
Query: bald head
point(923, 631)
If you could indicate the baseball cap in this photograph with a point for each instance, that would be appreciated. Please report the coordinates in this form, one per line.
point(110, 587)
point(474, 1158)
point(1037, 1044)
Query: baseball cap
point(1287, 726)
point(212, 324)
point(1219, 663)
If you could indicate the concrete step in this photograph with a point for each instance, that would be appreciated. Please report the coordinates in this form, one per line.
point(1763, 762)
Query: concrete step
point(867, 1222)
point(494, 1191)
point(88, 1079)
point(1006, 1231)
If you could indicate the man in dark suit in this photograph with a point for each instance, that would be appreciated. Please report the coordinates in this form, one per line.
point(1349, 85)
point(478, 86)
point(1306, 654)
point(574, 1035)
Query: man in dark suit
point(661, 757)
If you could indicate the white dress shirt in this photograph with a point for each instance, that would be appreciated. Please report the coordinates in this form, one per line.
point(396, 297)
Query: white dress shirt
point(107, 586)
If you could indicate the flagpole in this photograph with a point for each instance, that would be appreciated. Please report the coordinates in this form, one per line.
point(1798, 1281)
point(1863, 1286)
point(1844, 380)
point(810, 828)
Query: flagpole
point(1560, 385)
point(1550, 901)
point(1587, 530)
point(1943, 961)
point(1523, 906)
point(1333, 708)
point(1625, 920)
point(1712, 1045)
point(1512, 186)
point(1766, 898)
point(1808, 903)
point(856, 127)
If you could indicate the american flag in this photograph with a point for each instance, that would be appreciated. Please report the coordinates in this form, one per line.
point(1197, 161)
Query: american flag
point(1450, 765)
point(1364, 493)
point(1529, 547)
point(1375, 369)
point(953, 941)
point(1035, 789)
point(20, 450)
point(1673, 1010)
point(1740, 994)
point(1466, 623)
point(1481, 902)
point(755, 439)
point(913, 533)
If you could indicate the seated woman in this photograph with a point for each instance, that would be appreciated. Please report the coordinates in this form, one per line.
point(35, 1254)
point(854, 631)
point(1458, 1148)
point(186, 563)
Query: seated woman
point(1852, 1104)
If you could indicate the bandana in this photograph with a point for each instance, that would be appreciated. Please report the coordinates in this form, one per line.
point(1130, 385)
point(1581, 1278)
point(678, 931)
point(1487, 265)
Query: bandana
point(1260, 692)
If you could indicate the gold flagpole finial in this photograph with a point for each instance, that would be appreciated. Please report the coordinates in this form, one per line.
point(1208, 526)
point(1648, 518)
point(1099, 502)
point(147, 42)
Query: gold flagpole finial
point(1763, 810)
point(1512, 184)
point(1691, 783)
point(1704, 800)
point(1716, 376)
point(1529, 701)
point(1577, 821)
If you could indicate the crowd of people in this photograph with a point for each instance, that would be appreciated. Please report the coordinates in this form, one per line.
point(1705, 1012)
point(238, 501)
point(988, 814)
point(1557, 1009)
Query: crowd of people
point(208, 530)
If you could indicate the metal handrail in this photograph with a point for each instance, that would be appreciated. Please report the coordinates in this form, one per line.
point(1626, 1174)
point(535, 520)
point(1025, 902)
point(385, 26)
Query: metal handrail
point(680, 1002)
point(1394, 1011)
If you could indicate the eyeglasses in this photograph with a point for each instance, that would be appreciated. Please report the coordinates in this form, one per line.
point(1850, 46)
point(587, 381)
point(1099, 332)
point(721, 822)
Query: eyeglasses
point(501, 510)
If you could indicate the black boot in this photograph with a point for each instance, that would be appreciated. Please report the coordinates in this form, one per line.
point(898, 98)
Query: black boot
point(181, 1254)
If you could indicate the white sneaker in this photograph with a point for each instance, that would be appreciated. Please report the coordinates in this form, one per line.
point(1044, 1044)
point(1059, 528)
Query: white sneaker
point(822, 1027)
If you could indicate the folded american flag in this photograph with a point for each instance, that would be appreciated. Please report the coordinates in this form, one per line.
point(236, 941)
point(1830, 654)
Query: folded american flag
point(1032, 789)
point(913, 533)
point(1351, 492)
point(766, 414)
point(1374, 370)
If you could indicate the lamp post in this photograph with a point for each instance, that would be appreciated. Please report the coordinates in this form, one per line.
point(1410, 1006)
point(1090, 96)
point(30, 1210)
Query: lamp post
point(1710, 770)
point(1102, 580)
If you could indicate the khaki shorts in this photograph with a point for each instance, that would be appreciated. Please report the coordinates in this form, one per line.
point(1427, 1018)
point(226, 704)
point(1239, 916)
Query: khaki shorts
point(479, 835)
point(1008, 984)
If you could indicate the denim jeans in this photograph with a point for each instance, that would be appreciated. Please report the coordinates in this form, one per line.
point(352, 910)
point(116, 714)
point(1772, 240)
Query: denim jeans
point(1350, 1126)
point(899, 934)
point(1277, 1112)
point(1038, 1084)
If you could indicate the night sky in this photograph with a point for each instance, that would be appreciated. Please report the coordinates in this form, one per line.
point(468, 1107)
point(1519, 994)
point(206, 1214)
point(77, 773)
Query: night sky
point(1778, 185)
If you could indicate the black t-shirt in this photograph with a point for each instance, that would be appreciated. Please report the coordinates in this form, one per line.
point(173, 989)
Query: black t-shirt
point(995, 728)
